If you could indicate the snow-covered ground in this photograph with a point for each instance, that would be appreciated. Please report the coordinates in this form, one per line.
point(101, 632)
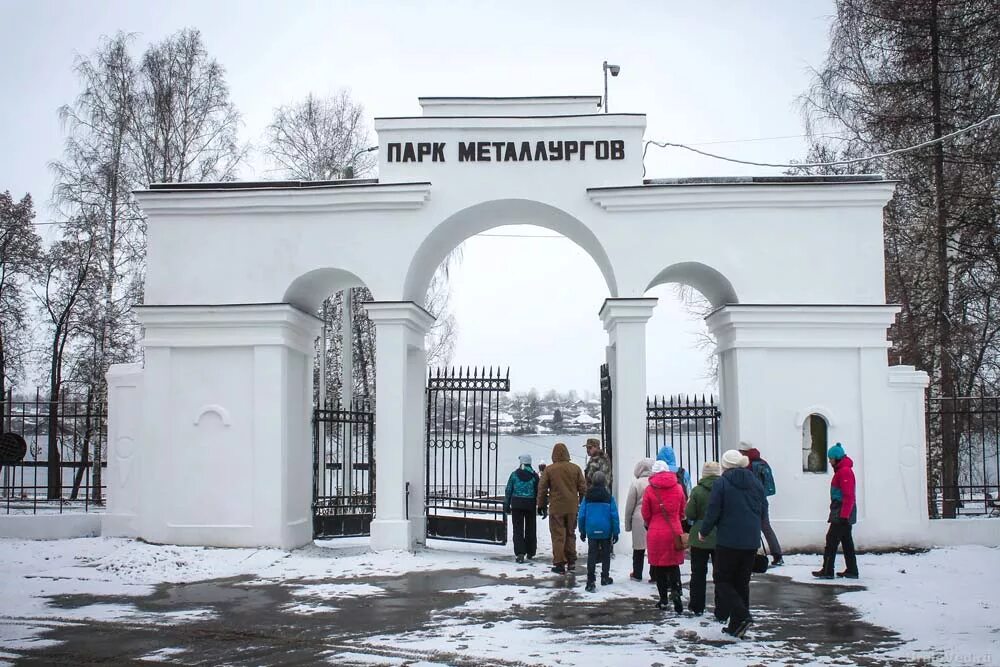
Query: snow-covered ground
point(945, 604)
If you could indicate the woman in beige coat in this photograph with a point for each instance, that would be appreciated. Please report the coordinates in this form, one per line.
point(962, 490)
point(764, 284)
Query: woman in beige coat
point(633, 516)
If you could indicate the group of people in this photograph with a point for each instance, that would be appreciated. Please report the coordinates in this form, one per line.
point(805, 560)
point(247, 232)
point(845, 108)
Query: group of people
point(720, 521)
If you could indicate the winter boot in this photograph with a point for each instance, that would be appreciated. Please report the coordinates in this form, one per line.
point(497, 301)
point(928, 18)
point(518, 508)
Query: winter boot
point(738, 630)
point(631, 575)
point(605, 580)
point(520, 558)
point(559, 568)
point(590, 586)
point(778, 562)
point(675, 598)
point(826, 572)
point(847, 575)
point(663, 605)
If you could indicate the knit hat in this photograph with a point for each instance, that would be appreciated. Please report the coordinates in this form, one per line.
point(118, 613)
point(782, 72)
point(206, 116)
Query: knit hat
point(598, 479)
point(711, 469)
point(745, 446)
point(660, 466)
point(836, 452)
point(733, 459)
point(525, 459)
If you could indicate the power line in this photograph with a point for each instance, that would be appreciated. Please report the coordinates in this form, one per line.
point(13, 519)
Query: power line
point(747, 141)
point(809, 165)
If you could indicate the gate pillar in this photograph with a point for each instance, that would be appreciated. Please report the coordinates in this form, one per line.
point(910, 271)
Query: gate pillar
point(400, 369)
point(785, 369)
point(625, 321)
point(226, 458)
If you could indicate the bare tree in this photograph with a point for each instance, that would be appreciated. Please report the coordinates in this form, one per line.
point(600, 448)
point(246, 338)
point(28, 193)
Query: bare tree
point(185, 126)
point(67, 273)
point(320, 138)
point(20, 251)
point(898, 73)
point(94, 183)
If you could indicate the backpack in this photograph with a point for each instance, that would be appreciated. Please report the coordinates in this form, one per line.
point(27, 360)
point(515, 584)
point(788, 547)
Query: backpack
point(766, 477)
point(525, 488)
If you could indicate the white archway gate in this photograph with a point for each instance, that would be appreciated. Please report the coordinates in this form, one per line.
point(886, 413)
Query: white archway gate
point(235, 271)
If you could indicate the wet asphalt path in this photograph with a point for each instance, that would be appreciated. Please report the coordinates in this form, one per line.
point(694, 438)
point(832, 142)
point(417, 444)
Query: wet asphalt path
point(250, 625)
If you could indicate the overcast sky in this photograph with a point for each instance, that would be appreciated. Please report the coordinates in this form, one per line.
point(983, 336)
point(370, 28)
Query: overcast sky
point(722, 73)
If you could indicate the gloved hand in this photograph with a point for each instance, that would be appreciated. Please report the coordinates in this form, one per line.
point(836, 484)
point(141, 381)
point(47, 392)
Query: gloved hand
point(614, 540)
point(583, 537)
point(543, 512)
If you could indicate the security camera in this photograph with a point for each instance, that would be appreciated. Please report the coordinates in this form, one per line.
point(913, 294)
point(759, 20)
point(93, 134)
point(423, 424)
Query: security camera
point(614, 69)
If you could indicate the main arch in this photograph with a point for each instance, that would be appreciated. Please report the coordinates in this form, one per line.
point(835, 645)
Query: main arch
point(794, 267)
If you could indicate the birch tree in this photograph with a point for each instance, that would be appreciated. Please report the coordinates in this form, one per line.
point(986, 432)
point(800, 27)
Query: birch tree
point(20, 252)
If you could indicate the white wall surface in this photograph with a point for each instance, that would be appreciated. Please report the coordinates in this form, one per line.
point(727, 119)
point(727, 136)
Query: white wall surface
point(225, 443)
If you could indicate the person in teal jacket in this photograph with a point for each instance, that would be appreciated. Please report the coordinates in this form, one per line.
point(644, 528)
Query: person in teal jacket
point(598, 523)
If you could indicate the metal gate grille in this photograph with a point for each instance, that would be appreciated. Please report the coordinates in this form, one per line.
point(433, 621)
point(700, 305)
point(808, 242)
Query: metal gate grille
point(464, 494)
point(606, 412)
point(689, 424)
point(343, 471)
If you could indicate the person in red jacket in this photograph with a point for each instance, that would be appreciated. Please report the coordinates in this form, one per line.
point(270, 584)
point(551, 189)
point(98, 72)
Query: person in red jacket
point(843, 515)
point(662, 511)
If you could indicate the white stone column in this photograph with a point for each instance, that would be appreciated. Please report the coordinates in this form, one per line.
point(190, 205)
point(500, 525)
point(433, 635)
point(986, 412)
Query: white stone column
point(124, 451)
point(625, 321)
point(226, 439)
point(780, 364)
point(400, 367)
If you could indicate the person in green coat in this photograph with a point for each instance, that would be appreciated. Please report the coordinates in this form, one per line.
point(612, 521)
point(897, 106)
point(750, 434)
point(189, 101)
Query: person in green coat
point(701, 549)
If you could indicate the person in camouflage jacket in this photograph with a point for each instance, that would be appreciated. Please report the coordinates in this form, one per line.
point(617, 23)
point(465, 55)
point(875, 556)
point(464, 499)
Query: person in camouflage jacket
point(597, 461)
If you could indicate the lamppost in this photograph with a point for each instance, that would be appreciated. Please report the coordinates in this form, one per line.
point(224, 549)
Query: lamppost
point(349, 169)
point(614, 69)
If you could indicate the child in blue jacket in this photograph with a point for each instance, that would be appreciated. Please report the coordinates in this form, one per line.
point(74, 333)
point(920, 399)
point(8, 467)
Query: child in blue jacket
point(598, 522)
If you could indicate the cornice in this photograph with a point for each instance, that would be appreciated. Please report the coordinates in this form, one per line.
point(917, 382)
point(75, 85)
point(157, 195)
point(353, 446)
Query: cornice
point(327, 199)
point(681, 197)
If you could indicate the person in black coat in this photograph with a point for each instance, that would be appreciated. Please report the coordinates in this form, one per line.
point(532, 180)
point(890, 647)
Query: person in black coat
point(735, 510)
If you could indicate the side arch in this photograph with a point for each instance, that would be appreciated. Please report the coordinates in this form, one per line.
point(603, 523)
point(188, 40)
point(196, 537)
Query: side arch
point(308, 291)
point(479, 218)
point(712, 284)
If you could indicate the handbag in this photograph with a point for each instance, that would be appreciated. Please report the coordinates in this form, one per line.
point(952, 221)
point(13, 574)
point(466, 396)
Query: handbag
point(680, 540)
point(760, 561)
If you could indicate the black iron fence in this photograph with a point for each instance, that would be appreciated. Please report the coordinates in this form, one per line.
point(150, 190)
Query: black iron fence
point(47, 454)
point(607, 412)
point(963, 456)
point(343, 471)
point(464, 493)
point(690, 424)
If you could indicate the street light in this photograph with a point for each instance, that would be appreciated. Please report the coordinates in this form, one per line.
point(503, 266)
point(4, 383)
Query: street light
point(614, 69)
point(348, 171)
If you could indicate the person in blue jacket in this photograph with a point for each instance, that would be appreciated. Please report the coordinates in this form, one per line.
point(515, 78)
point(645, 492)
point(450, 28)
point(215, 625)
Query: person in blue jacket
point(598, 522)
point(667, 455)
point(519, 502)
point(736, 507)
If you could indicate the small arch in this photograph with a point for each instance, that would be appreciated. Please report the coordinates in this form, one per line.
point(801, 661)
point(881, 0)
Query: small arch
point(308, 291)
point(484, 216)
point(213, 409)
point(820, 410)
point(712, 284)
